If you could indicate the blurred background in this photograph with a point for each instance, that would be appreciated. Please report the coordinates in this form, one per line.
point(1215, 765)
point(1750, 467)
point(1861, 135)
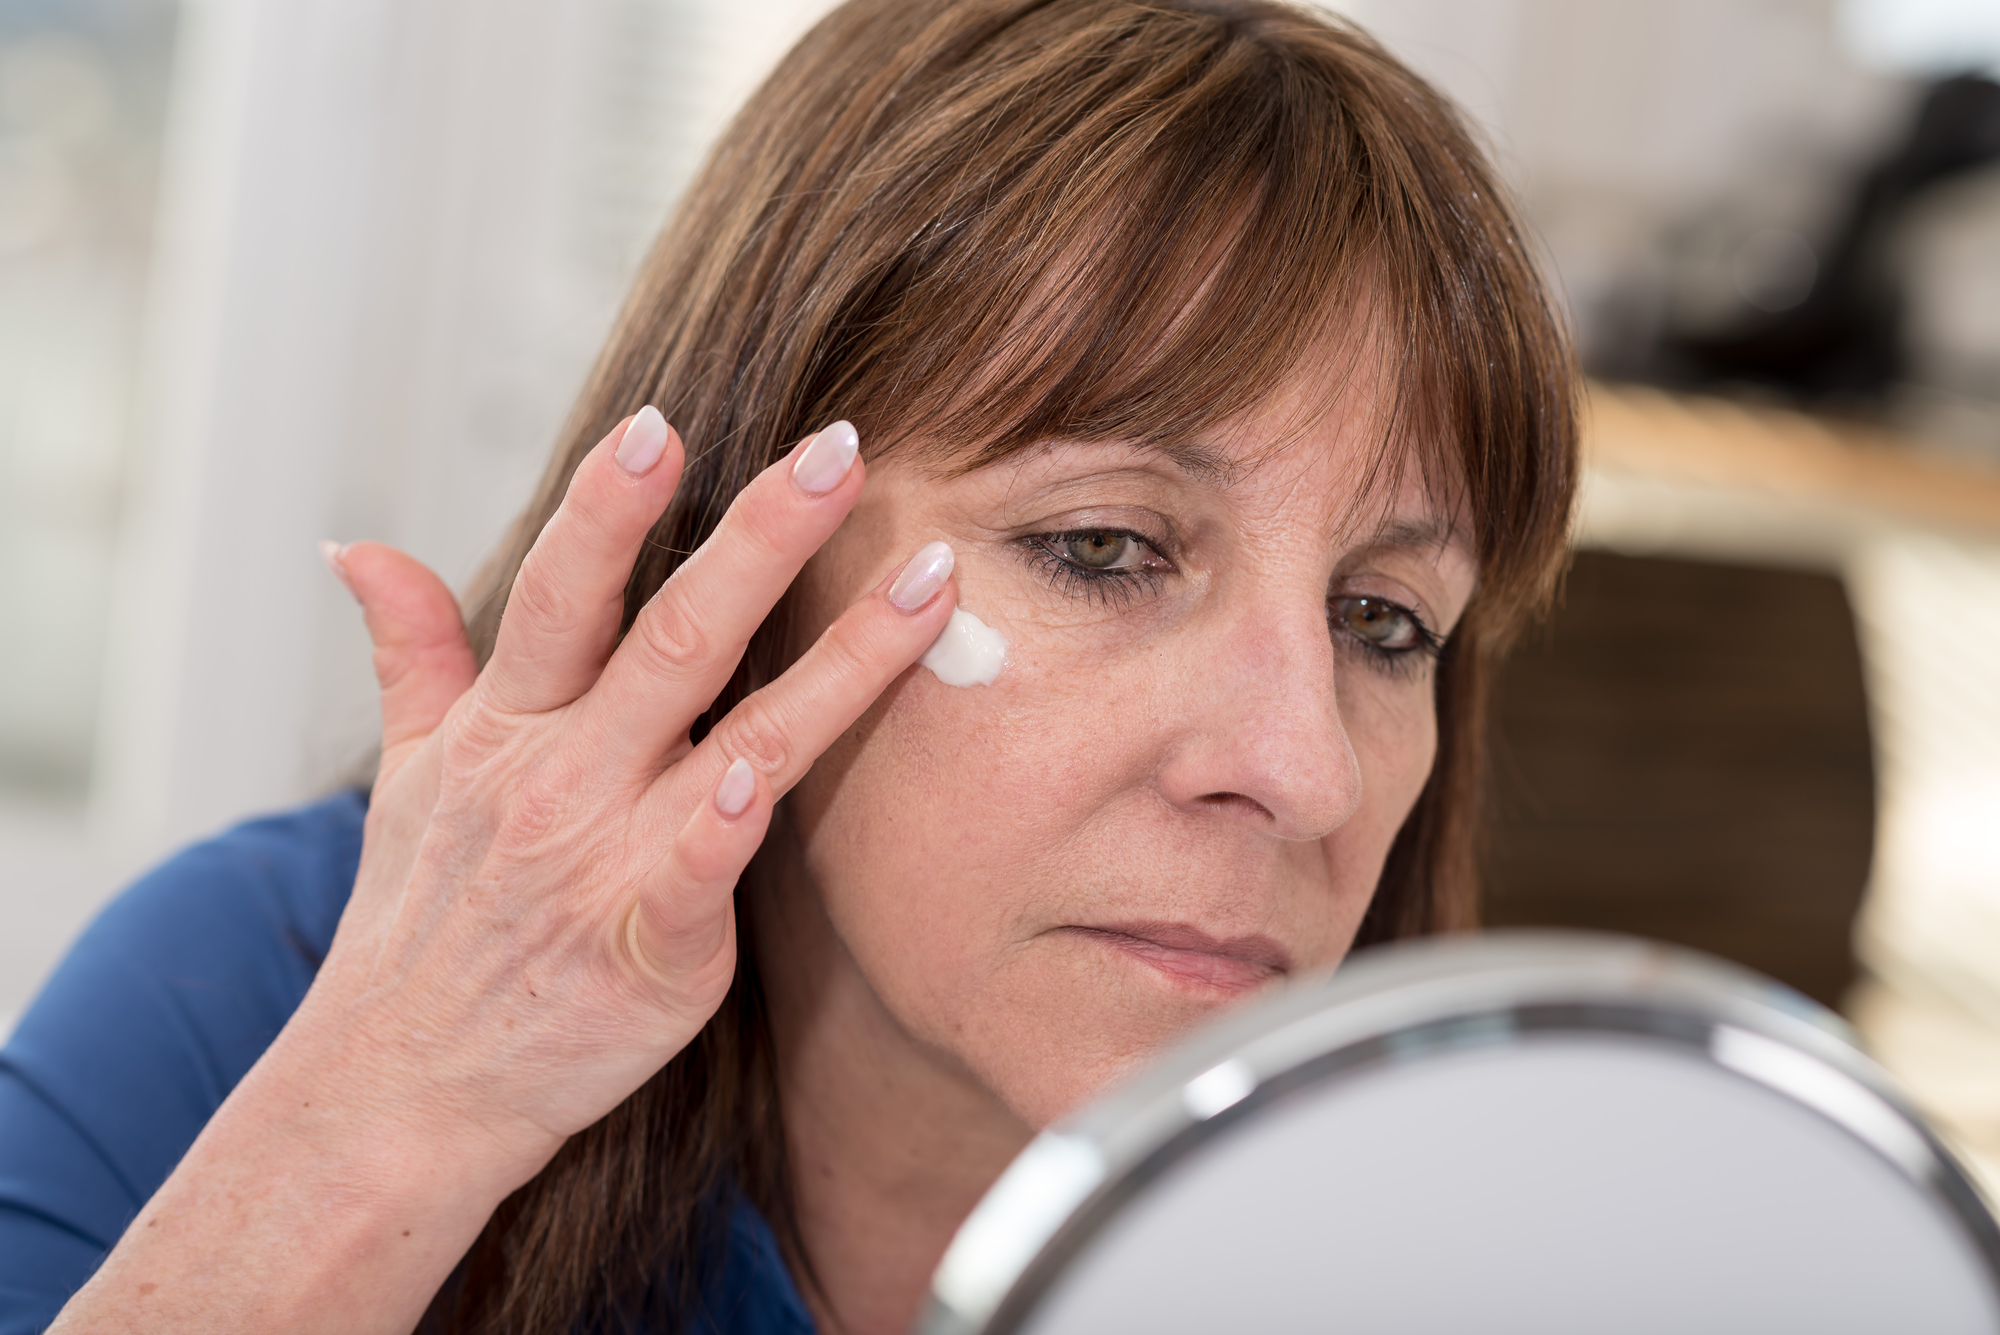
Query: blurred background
point(278, 270)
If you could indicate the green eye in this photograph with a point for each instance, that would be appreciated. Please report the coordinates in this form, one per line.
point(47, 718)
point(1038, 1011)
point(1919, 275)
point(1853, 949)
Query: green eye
point(1380, 623)
point(1099, 550)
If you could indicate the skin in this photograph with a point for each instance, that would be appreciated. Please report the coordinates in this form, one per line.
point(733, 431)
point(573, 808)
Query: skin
point(1195, 749)
point(978, 906)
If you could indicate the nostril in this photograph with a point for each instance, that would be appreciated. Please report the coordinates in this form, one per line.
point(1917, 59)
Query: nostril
point(1235, 802)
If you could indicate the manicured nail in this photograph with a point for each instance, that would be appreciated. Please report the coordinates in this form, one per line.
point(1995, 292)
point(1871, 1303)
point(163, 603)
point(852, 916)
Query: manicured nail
point(738, 786)
point(825, 459)
point(331, 552)
point(644, 441)
point(922, 577)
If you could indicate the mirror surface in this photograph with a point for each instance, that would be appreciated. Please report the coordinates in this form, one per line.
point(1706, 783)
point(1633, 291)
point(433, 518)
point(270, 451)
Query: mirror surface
point(1534, 1134)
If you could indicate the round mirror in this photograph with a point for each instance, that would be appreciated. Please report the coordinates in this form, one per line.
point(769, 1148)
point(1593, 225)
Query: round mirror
point(1524, 1132)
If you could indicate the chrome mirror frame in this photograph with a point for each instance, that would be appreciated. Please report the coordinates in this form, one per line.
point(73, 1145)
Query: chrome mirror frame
point(1403, 1003)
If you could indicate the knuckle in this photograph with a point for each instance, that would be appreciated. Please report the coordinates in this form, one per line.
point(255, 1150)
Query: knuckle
point(761, 518)
point(469, 737)
point(768, 534)
point(707, 861)
point(539, 815)
point(851, 650)
point(672, 636)
point(757, 734)
point(590, 512)
point(539, 595)
point(537, 810)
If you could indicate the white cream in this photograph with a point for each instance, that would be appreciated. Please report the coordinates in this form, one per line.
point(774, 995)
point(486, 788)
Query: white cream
point(968, 653)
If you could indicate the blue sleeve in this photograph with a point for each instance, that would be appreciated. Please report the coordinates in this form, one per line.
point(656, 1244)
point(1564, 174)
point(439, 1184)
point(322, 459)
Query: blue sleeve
point(160, 1007)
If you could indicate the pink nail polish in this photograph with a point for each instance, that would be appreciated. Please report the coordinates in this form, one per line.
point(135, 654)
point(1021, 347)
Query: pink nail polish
point(644, 441)
point(922, 577)
point(826, 459)
point(331, 553)
point(738, 786)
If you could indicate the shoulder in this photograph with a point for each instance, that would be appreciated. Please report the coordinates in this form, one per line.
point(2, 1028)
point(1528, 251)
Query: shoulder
point(754, 1293)
point(212, 950)
point(160, 1007)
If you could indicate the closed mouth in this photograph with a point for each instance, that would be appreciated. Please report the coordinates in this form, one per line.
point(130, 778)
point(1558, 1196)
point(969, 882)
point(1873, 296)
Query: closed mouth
point(1189, 955)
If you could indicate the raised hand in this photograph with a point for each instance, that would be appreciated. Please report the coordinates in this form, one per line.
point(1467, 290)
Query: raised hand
point(543, 912)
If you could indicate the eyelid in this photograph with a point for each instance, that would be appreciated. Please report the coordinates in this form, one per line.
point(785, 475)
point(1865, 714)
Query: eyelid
point(1148, 526)
point(1429, 646)
point(1398, 593)
point(1151, 545)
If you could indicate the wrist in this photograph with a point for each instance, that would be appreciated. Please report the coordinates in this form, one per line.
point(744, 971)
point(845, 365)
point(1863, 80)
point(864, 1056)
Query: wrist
point(383, 1124)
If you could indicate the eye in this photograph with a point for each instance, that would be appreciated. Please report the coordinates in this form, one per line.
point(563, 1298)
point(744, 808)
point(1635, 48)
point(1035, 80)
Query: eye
point(1383, 626)
point(1100, 549)
point(1100, 564)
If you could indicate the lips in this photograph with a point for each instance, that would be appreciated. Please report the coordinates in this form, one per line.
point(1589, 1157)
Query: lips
point(1191, 956)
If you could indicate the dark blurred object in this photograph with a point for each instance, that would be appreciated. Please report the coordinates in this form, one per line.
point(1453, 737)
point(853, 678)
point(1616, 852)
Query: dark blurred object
point(1686, 757)
point(1828, 328)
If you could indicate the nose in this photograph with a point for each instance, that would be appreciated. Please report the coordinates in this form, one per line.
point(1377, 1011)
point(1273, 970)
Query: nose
point(1260, 735)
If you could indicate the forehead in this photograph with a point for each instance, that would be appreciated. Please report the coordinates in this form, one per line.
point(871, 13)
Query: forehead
point(1332, 447)
point(1335, 482)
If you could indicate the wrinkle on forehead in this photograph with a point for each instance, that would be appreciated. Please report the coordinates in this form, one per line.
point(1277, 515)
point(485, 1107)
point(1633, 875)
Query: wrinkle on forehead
point(1346, 392)
point(1405, 487)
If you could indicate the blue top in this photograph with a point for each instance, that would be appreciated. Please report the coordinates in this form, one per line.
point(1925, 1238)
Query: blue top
point(160, 1008)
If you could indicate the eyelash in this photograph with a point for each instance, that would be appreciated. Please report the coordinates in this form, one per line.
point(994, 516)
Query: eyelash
point(1100, 586)
point(1122, 586)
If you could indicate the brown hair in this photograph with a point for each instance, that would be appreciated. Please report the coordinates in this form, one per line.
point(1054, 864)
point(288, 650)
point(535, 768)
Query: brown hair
point(987, 223)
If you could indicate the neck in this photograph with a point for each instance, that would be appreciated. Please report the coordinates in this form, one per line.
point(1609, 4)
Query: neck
point(891, 1144)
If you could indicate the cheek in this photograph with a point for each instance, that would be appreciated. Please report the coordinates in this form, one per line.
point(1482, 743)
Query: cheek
point(1394, 735)
point(1392, 726)
point(942, 810)
point(950, 829)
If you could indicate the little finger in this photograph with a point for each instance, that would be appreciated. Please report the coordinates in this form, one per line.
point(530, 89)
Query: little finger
point(679, 931)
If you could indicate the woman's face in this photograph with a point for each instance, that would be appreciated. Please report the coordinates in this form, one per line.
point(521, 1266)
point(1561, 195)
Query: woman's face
point(1215, 714)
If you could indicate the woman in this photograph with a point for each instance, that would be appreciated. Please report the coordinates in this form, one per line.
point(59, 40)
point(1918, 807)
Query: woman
point(706, 958)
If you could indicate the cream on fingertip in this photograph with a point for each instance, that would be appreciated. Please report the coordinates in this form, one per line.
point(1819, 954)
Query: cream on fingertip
point(738, 786)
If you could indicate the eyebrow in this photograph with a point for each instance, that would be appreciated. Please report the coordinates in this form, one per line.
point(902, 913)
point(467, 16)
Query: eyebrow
point(1197, 461)
point(1214, 467)
point(1427, 532)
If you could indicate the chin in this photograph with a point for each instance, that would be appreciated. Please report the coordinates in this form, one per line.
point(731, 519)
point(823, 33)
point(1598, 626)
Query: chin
point(1091, 1014)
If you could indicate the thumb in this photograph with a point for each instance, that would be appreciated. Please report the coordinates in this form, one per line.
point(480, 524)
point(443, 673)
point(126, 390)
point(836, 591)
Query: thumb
point(423, 661)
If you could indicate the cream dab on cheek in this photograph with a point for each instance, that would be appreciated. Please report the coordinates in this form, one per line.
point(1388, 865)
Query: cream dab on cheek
point(968, 653)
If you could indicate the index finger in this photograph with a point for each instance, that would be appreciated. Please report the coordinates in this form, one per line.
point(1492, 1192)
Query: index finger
point(568, 598)
point(687, 640)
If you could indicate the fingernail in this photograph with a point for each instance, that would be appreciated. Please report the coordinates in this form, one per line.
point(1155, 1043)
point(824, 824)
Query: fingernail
point(331, 552)
point(644, 441)
point(922, 577)
point(825, 459)
point(738, 786)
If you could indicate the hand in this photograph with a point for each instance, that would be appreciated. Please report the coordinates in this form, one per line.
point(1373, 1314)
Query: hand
point(542, 916)
point(543, 913)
